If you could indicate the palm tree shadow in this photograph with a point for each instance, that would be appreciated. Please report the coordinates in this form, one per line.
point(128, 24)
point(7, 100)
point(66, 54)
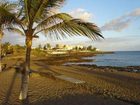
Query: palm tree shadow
point(42, 66)
point(9, 91)
point(8, 68)
point(25, 102)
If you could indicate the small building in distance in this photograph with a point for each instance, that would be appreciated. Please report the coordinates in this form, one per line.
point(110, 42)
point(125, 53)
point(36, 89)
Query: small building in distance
point(98, 49)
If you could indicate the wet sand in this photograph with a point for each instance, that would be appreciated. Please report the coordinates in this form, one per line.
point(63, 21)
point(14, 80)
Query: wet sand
point(104, 86)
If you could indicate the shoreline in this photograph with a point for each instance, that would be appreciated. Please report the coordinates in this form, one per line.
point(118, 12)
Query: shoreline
point(135, 69)
point(78, 58)
point(106, 83)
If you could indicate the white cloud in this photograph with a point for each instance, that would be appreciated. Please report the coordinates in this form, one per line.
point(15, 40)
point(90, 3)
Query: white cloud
point(122, 22)
point(82, 14)
point(135, 12)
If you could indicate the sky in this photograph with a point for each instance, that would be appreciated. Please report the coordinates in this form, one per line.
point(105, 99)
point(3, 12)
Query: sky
point(119, 21)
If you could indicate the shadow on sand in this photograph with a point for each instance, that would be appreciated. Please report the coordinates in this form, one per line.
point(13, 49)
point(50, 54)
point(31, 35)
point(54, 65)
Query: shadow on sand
point(43, 65)
point(9, 91)
point(78, 99)
point(25, 102)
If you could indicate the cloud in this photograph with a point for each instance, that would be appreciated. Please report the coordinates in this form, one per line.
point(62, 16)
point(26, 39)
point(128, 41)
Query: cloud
point(135, 12)
point(82, 14)
point(122, 22)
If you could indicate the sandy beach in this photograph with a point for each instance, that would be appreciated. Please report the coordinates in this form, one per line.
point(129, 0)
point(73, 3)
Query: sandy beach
point(67, 52)
point(104, 85)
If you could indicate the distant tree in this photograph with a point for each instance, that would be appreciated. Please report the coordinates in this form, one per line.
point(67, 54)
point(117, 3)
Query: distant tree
point(6, 44)
point(89, 47)
point(65, 47)
point(94, 49)
point(76, 48)
point(80, 48)
point(48, 46)
point(45, 47)
point(57, 46)
point(6, 48)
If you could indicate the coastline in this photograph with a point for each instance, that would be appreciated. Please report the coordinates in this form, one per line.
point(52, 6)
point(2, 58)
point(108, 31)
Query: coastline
point(107, 84)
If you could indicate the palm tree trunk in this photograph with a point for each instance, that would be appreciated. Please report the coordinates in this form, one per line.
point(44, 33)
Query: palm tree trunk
point(0, 56)
point(0, 51)
point(26, 70)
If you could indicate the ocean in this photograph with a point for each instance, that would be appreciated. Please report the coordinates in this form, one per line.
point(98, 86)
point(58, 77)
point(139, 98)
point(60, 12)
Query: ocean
point(118, 59)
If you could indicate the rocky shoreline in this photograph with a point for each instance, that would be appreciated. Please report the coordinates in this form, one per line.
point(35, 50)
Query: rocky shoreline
point(135, 69)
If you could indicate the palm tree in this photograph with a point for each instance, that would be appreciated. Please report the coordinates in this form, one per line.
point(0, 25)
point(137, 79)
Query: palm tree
point(33, 17)
point(6, 18)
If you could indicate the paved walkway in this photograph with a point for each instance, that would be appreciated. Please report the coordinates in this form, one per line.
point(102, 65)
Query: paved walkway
point(61, 77)
point(69, 79)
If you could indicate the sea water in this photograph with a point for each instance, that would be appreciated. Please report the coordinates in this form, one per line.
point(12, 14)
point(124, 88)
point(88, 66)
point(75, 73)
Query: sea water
point(118, 59)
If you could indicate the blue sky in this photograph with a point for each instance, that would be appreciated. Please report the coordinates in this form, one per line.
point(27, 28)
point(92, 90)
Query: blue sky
point(119, 21)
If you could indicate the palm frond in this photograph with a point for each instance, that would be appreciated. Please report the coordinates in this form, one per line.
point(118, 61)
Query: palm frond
point(24, 10)
point(16, 30)
point(52, 20)
point(51, 6)
point(35, 10)
point(8, 6)
point(55, 3)
point(72, 28)
point(5, 16)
